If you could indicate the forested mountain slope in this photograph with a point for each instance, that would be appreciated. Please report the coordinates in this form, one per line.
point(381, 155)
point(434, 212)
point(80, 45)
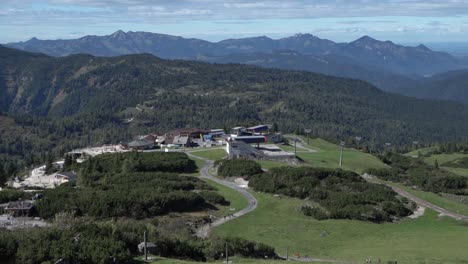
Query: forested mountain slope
point(446, 86)
point(57, 94)
point(333, 65)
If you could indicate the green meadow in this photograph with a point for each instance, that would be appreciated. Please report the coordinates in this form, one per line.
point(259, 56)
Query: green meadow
point(279, 223)
point(211, 154)
point(328, 156)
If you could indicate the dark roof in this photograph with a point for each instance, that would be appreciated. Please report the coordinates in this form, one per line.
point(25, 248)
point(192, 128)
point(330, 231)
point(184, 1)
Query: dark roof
point(148, 138)
point(187, 131)
point(259, 127)
point(140, 143)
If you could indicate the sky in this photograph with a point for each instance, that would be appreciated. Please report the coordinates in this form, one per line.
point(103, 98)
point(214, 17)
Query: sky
point(402, 21)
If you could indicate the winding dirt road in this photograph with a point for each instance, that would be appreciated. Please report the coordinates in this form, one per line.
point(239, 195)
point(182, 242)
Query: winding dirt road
point(204, 231)
point(429, 205)
point(419, 201)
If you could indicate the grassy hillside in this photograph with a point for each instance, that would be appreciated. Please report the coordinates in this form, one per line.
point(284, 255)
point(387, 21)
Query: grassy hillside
point(328, 156)
point(278, 222)
point(442, 160)
point(422, 151)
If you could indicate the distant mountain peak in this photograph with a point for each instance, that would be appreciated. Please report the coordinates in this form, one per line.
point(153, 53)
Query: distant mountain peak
point(118, 33)
point(260, 38)
point(33, 39)
point(423, 47)
point(365, 39)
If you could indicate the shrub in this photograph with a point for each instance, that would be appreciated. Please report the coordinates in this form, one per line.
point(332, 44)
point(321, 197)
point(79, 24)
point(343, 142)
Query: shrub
point(214, 198)
point(344, 194)
point(239, 167)
point(13, 195)
point(316, 213)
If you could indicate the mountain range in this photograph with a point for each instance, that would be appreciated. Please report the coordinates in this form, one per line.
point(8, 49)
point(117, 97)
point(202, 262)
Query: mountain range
point(389, 66)
point(365, 51)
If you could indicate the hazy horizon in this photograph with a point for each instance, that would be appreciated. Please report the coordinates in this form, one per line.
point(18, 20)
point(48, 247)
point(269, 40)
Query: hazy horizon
point(402, 21)
point(456, 48)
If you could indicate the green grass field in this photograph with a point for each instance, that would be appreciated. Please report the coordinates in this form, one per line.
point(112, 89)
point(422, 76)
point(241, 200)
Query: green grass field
point(278, 222)
point(211, 154)
point(291, 148)
point(458, 171)
point(443, 158)
point(423, 151)
point(328, 156)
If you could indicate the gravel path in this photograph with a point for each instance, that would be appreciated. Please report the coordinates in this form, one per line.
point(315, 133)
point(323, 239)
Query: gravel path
point(420, 201)
point(204, 231)
point(429, 205)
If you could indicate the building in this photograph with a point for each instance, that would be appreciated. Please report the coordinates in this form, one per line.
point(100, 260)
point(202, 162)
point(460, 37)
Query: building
point(140, 144)
point(274, 138)
point(19, 209)
point(216, 133)
point(239, 149)
point(260, 129)
point(238, 130)
point(192, 133)
point(63, 177)
point(181, 141)
point(251, 139)
point(150, 138)
point(161, 140)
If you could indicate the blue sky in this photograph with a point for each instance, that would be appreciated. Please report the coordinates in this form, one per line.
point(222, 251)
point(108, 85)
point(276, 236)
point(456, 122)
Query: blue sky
point(403, 21)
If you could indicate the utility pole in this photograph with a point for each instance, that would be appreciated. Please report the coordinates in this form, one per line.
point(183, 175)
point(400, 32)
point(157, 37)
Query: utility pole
point(295, 149)
point(227, 256)
point(146, 251)
point(287, 253)
point(308, 131)
point(341, 153)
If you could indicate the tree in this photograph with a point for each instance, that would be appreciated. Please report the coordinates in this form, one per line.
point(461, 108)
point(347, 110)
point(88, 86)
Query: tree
point(3, 177)
point(49, 164)
point(68, 162)
point(127, 166)
point(11, 170)
point(436, 164)
point(275, 127)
